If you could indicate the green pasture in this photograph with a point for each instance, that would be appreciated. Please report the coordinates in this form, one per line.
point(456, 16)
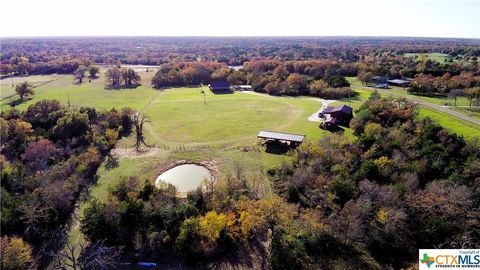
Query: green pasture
point(436, 57)
point(466, 129)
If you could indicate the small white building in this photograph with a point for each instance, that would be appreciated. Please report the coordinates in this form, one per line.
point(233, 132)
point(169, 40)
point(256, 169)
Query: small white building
point(243, 87)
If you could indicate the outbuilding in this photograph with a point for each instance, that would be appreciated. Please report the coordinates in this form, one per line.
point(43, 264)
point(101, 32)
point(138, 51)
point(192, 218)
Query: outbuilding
point(289, 139)
point(219, 86)
point(399, 82)
point(243, 87)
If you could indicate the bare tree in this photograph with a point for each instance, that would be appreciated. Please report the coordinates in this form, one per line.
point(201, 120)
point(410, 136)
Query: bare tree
point(33, 215)
point(139, 119)
point(96, 256)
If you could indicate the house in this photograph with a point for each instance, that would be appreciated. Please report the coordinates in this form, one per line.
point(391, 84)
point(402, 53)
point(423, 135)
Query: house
point(398, 82)
point(336, 116)
point(219, 86)
point(243, 87)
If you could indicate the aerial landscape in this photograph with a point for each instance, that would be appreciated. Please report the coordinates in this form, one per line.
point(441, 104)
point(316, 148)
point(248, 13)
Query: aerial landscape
point(165, 143)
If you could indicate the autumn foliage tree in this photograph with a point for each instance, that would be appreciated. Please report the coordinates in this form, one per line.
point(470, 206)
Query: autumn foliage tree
point(24, 89)
point(16, 254)
point(472, 93)
point(38, 154)
point(79, 74)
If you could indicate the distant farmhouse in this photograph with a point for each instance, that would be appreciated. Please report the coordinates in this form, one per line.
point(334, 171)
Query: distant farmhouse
point(339, 115)
point(220, 86)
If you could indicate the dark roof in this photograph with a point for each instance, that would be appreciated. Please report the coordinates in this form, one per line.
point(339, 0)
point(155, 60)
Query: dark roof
point(343, 108)
point(281, 136)
point(219, 85)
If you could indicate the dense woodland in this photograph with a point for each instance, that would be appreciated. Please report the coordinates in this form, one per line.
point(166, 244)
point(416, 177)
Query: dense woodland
point(232, 51)
point(370, 203)
point(403, 184)
point(49, 154)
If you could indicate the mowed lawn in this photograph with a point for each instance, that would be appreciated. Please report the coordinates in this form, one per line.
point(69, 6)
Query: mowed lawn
point(181, 116)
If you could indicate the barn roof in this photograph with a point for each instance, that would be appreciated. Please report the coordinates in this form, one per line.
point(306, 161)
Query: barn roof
point(219, 85)
point(343, 108)
point(281, 136)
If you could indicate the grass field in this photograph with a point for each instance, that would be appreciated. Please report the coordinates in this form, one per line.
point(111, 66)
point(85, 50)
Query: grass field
point(464, 128)
point(93, 94)
point(7, 85)
point(437, 57)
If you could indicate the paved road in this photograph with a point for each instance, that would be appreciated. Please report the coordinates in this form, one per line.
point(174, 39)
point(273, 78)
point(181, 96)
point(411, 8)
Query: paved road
point(424, 103)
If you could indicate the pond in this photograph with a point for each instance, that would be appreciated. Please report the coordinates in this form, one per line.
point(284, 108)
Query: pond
point(185, 178)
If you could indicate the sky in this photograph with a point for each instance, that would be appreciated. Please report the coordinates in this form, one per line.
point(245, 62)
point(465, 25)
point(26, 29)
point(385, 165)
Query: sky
point(417, 18)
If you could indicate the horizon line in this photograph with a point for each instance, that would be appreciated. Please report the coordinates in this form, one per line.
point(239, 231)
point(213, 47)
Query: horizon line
point(232, 36)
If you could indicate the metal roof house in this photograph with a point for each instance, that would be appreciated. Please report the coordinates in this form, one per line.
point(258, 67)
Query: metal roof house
point(290, 138)
point(336, 115)
point(220, 86)
point(342, 111)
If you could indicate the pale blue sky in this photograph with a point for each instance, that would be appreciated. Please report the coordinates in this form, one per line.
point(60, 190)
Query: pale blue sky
point(425, 18)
